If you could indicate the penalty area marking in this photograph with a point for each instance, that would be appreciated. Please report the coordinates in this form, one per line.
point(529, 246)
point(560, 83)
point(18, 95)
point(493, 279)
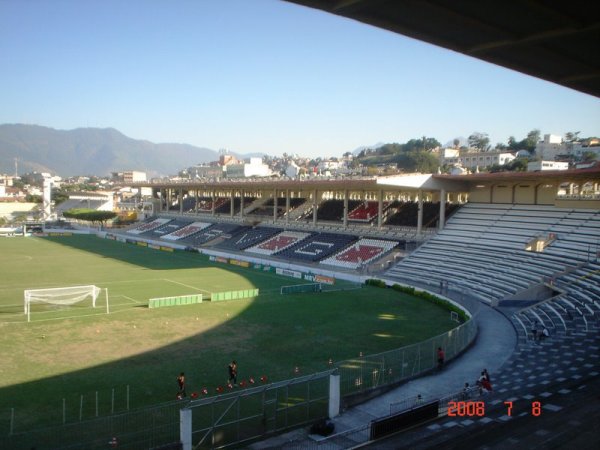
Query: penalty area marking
point(129, 298)
point(186, 285)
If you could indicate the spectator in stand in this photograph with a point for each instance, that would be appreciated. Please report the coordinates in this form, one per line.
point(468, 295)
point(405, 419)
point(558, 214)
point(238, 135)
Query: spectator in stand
point(534, 331)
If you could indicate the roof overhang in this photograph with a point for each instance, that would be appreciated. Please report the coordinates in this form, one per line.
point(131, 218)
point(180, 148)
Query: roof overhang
point(554, 41)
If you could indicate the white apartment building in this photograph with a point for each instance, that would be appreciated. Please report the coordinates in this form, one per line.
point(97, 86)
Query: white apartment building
point(536, 166)
point(551, 147)
point(473, 160)
point(254, 168)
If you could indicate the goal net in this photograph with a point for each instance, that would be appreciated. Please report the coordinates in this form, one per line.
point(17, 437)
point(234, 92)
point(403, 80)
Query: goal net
point(299, 288)
point(64, 296)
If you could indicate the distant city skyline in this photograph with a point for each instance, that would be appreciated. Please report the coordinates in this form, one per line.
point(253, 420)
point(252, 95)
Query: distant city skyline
point(259, 76)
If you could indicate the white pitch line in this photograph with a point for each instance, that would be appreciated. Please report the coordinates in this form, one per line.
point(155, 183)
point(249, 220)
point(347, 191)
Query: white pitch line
point(186, 285)
point(129, 298)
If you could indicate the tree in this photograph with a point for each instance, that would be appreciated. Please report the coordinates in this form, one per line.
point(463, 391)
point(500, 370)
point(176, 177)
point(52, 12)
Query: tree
point(417, 161)
point(516, 165)
point(480, 141)
point(59, 196)
point(512, 143)
point(89, 215)
point(572, 136)
point(30, 198)
point(533, 137)
point(589, 156)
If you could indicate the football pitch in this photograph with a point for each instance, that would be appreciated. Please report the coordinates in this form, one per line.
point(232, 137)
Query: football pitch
point(131, 357)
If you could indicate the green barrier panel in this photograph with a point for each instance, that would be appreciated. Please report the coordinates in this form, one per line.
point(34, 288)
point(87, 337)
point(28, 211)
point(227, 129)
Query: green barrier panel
point(233, 295)
point(174, 301)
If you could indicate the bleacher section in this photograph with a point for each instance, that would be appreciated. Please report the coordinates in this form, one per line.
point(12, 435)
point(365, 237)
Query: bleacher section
point(317, 247)
point(266, 209)
point(277, 243)
point(166, 229)
point(367, 211)
point(405, 214)
point(333, 210)
point(149, 226)
point(187, 231)
point(570, 316)
point(217, 230)
point(482, 248)
point(361, 253)
point(205, 204)
point(248, 238)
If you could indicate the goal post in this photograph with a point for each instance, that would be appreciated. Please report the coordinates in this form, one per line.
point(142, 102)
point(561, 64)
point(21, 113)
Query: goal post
point(63, 296)
point(299, 288)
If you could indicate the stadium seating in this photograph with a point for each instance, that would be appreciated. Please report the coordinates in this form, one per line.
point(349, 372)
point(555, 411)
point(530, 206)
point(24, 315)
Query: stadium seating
point(216, 230)
point(482, 248)
point(186, 231)
point(574, 311)
point(333, 210)
point(278, 242)
point(266, 207)
point(205, 204)
point(360, 253)
point(365, 212)
point(316, 247)
point(149, 225)
point(247, 238)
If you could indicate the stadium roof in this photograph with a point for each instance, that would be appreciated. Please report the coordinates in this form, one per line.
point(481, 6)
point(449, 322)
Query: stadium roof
point(554, 41)
point(410, 181)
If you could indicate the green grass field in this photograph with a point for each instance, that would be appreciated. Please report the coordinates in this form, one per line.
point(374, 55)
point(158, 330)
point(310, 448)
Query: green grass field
point(75, 351)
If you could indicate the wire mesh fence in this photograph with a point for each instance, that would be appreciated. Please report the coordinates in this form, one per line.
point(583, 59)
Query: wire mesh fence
point(372, 371)
point(231, 419)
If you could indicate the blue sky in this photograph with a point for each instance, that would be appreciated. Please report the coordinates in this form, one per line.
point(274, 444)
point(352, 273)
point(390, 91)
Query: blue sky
point(258, 76)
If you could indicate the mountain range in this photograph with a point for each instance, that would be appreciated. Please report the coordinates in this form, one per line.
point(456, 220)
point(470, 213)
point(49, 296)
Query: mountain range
point(91, 151)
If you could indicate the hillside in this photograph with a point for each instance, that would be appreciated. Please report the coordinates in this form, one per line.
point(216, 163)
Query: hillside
point(91, 151)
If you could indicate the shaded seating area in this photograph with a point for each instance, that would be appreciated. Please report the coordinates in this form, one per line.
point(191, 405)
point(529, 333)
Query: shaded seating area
point(333, 210)
point(267, 208)
point(405, 214)
point(205, 204)
point(365, 212)
point(573, 312)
